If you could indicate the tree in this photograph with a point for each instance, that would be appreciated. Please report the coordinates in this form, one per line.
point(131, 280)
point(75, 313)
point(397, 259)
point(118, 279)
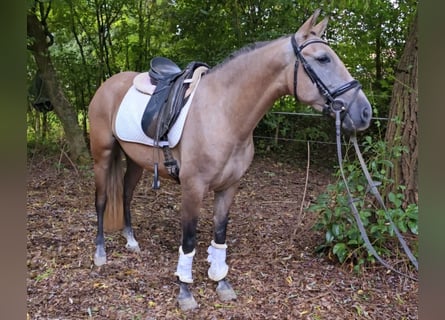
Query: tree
point(403, 127)
point(95, 39)
point(39, 40)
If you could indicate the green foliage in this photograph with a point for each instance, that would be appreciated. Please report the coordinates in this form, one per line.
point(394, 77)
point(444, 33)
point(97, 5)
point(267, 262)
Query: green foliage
point(95, 39)
point(342, 236)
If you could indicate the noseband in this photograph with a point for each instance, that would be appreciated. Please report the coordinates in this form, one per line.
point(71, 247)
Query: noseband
point(332, 105)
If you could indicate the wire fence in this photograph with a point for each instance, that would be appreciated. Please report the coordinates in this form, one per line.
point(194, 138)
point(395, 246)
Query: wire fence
point(304, 114)
point(315, 114)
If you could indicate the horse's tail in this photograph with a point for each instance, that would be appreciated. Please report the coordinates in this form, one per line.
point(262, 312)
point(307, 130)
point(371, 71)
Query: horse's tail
point(114, 209)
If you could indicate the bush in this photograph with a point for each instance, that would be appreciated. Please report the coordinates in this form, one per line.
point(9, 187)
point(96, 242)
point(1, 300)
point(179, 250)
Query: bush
point(342, 237)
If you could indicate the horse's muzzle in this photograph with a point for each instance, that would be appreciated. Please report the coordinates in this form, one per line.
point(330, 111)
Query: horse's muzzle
point(357, 116)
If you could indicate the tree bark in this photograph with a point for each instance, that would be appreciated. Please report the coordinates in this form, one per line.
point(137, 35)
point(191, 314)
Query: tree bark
point(38, 44)
point(403, 131)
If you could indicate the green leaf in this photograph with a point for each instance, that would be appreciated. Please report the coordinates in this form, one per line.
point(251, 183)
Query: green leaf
point(336, 230)
point(391, 197)
point(340, 250)
point(402, 226)
point(394, 199)
point(413, 227)
point(375, 229)
point(329, 236)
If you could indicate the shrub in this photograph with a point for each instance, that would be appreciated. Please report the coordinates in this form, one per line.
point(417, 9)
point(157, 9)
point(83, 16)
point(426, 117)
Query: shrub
point(342, 237)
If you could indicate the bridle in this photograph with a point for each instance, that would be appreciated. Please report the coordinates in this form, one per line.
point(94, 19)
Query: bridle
point(339, 108)
point(332, 104)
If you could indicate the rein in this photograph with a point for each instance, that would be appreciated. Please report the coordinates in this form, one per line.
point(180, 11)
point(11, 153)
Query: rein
point(339, 109)
point(376, 193)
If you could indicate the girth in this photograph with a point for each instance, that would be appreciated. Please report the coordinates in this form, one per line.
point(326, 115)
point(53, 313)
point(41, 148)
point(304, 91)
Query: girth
point(169, 96)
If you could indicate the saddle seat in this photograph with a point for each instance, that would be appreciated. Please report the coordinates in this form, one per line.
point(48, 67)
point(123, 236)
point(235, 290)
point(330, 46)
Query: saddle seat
point(162, 68)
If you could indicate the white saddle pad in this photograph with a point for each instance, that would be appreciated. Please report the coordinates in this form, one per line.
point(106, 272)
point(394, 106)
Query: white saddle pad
point(128, 119)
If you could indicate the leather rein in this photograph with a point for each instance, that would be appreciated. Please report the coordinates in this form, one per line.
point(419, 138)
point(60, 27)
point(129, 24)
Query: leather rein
point(340, 109)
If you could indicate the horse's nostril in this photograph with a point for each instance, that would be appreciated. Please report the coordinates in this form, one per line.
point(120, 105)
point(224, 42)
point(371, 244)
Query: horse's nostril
point(366, 114)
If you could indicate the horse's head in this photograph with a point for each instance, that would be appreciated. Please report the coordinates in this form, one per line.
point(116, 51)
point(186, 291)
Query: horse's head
point(322, 80)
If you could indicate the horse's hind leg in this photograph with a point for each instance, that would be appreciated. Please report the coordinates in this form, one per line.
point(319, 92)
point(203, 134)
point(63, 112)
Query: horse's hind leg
point(217, 250)
point(100, 256)
point(132, 176)
point(102, 160)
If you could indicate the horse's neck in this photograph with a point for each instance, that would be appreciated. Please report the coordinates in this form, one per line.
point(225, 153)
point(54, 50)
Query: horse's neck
point(254, 81)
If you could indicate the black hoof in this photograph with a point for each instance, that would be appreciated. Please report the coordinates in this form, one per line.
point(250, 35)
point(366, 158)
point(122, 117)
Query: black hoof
point(225, 291)
point(185, 298)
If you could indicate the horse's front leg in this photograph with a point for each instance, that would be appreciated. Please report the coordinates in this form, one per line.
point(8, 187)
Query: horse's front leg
point(217, 250)
point(191, 204)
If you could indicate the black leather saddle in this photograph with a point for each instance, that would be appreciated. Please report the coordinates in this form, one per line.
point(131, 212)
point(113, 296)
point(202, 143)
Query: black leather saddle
point(168, 98)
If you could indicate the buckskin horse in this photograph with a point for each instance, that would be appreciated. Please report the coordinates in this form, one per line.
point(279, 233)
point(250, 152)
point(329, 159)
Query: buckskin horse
point(216, 146)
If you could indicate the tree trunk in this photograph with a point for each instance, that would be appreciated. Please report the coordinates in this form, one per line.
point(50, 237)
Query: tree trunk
point(38, 45)
point(403, 130)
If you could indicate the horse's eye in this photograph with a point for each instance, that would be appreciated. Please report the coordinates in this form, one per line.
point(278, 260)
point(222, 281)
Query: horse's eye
point(323, 59)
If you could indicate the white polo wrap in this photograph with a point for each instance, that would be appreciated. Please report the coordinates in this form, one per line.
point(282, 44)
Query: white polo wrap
point(184, 268)
point(217, 257)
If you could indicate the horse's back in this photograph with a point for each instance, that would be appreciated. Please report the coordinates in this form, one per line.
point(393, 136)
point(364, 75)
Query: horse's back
point(111, 92)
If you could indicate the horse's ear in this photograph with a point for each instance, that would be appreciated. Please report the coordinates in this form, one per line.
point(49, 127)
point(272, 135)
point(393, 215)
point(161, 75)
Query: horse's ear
point(305, 30)
point(320, 28)
point(315, 15)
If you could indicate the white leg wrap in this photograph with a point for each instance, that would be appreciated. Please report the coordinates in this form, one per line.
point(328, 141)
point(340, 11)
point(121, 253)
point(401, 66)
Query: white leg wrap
point(217, 257)
point(184, 268)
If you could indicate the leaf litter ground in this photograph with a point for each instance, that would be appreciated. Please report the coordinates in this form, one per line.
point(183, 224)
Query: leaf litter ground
point(273, 267)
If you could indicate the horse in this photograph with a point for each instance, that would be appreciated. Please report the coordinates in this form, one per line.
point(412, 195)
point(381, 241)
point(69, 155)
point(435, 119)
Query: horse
point(216, 147)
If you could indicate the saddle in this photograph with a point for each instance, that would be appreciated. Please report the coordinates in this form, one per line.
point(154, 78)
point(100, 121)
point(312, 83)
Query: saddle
point(170, 95)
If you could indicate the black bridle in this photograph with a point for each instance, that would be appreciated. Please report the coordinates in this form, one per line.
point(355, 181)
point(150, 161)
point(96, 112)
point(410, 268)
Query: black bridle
point(332, 105)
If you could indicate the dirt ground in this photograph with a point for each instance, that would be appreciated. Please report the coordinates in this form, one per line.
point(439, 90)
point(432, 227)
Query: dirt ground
point(273, 267)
